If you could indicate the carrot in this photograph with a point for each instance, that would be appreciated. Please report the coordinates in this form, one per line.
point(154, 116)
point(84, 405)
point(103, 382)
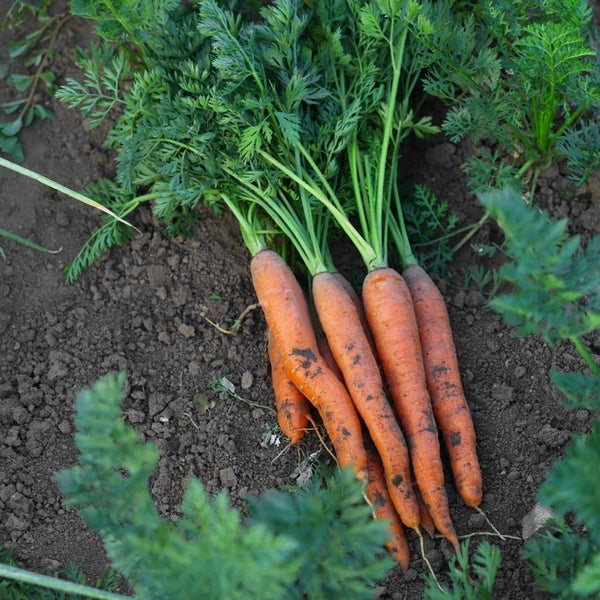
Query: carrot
point(352, 353)
point(293, 409)
point(443, 381)
point(360, 309)
point(327, 355)
point(377, 493)
point(390, 313)
point(287, 315)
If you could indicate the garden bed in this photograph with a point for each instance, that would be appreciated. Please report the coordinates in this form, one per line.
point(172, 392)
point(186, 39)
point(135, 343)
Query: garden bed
point(145, 308)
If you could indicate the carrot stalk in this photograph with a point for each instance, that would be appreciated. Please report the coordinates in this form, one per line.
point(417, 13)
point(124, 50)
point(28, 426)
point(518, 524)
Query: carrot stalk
point(352, 353)
point(293, 409)
point(376, 491)
point(390, 312)
point(287, 315)
point(443, 381)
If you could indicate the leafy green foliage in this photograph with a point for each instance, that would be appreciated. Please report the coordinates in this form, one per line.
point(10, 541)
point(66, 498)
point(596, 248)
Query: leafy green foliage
point(35, 50)
point(104, 71)
point(580, 143)
point(17, 590)
point(519, 76)
point(322, 542)
point(463, 586)
point(213, 91)
point(111, 233)
point(555, 295)
point(430, 225)
point(555, 557)
point(334, 534)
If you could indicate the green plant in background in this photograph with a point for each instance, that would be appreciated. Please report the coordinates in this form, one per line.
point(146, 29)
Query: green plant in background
point(522, 76)
point(473, 581)
point(320, 541)
point(36, 50)
point(556, 294)
point(430, 225)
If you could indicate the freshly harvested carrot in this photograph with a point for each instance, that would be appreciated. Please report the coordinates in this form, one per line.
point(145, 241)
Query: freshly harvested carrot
point(376, 491)
point(293, 409)
point(389, 309)
point(443, 381)
point(352, 352)
point(287, 315)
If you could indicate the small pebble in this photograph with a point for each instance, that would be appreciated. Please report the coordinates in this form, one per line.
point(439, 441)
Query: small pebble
point(247, 380)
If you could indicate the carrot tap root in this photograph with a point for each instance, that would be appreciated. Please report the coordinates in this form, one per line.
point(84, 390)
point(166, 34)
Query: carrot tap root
point(390, 312)
point(448, 400)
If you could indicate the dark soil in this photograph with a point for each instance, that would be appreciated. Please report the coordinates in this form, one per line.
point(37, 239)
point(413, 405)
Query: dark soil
point(144, 308)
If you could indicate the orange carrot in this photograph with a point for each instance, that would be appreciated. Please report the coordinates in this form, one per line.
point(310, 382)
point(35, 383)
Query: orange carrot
point(426, 521)
point(293, 409)
point(352, 352)
point(288, 317)
point(443, 381)
point(377, 493)
point(360, 309)
point(391, 316)
point(327, 355)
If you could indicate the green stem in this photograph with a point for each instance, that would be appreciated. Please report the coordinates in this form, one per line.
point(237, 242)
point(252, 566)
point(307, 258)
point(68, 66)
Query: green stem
point(53, 583)
point(473, 229)
point(253, 241)
point(123, 22)
point(586, 355)
point(377, 229)
point(367, 253)
point(25, 242)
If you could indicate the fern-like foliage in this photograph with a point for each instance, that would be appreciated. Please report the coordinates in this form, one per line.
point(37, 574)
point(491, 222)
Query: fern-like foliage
point(581, 145)
point(463, 586)
point(104, 71)
point(554, 294)
point(323, 543)
point(430, 225)
point(519, 76)
point(555, 557)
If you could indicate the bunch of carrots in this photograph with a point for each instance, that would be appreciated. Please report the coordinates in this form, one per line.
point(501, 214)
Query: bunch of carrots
point(309, 120)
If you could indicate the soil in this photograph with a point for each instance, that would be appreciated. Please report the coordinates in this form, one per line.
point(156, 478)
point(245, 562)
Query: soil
point(145, 308)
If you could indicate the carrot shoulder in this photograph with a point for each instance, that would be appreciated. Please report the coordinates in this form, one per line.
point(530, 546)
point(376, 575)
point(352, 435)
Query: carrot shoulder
point(352, 353)
point(287, 315)
point(293, 409)
point(443, 381)
point(390, 313)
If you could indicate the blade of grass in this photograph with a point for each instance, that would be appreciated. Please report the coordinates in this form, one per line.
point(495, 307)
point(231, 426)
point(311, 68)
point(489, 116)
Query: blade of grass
point(21, 240)
point(61, 188)
point(54, 583)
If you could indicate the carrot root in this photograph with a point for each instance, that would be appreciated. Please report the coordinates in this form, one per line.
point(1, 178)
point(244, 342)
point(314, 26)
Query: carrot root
point(390, 312)
point(448, 400)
